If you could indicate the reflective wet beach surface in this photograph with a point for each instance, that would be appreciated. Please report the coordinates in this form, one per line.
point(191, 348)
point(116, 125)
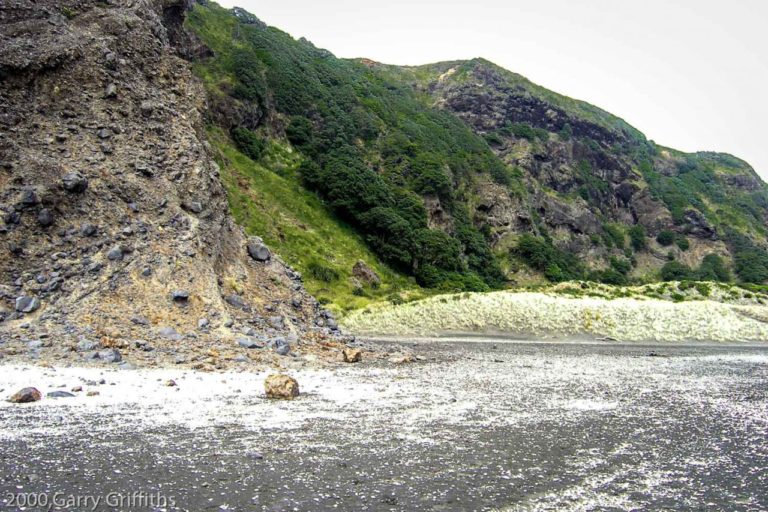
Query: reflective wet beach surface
point(477, 426)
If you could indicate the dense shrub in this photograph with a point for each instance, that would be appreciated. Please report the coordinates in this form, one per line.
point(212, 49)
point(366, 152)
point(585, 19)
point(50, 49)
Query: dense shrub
point(540, 254)
point(750, 261)
point(249, 71)
point(665, 238)
point(683, 243)
point(614, 235)
point(299, 131)
point(493, 139)
point(637, 237)
point(713, 268)
point(248, 143)
point(524, 131)
point(704, 289)
point(430, 176)
point(676, 271)
point(438, 249)
point(390, 235)
point(620, 265)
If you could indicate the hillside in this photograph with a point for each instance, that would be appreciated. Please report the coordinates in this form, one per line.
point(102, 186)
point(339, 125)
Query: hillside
point(466, 176)
point(396, 170)
point(602, 173)
point(174, 171)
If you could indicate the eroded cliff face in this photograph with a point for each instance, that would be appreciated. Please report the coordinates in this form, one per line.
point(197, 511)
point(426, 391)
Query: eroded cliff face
point(114, 222)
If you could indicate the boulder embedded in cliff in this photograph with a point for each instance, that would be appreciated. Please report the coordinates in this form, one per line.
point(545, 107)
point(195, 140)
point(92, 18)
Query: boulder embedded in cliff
point(258, 251)
point(25, 304)
point(74, 182)
point(45, 217)
point(365, 273)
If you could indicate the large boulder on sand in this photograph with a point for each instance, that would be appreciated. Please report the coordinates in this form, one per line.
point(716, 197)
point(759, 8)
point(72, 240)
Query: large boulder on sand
point(25, 396)
point(281, 386)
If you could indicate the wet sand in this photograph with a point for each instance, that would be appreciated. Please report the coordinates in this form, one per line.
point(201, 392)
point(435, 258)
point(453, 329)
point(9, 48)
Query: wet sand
point(476, 426)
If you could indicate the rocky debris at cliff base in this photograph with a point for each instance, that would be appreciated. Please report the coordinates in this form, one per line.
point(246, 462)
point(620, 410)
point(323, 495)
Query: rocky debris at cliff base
point(145, 346)
point(110, 355)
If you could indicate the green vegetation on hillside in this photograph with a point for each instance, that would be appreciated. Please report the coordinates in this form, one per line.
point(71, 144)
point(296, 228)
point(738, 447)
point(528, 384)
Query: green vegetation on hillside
point(268, 200)
point(372, 148)
point(712, 268)
point(701, 183)
point(375, 149)
point(750, 261)
point(462, 71)
point(707, 194)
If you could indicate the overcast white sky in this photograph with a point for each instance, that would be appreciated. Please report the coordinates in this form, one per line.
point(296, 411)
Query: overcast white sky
point(691, 74)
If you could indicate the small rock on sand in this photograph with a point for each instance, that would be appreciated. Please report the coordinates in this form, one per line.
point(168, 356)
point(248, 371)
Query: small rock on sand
point(351, 355)
point(402, 358)
point(59, 394)
point(281, 386)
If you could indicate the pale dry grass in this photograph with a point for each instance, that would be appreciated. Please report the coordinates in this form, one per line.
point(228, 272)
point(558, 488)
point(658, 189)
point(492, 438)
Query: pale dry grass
point(543, 314)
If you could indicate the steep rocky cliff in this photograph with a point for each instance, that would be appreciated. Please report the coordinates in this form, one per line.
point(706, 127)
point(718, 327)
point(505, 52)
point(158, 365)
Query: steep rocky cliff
point(115, 225)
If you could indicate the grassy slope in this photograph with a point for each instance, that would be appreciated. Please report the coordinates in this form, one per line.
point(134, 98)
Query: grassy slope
point(660, 312)
point(298, 226)
point(267, 199)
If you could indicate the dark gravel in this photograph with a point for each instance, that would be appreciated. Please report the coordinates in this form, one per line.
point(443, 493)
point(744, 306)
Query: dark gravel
point(477, 426)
